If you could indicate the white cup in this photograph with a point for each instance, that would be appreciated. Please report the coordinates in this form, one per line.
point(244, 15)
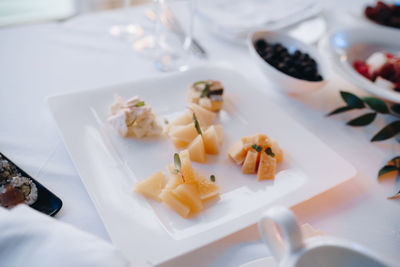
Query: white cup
point(280, 231)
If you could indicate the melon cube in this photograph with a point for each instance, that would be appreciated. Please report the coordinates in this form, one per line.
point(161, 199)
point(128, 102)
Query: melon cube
point(277, 151)
point(186, 167)
point(170, 199)
point(184, 133)
point(207, 189)
point(151, 187)
point(237, 152)
point(258, 139)
point(197, 151)
point(188, 194)
point(178, 143)
point(174, 179)
point(204, 116)
point(210, 139)
point(218, 128)
point(266, 168)
point(250, 162)
point(183, 119)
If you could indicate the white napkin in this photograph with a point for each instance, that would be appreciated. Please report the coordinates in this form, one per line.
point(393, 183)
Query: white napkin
point(29, 238)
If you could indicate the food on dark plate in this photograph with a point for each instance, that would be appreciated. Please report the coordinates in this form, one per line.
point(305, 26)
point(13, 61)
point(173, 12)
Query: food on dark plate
point(297, 64)
point(382, 68)
point(381, 13)
point(15, 188)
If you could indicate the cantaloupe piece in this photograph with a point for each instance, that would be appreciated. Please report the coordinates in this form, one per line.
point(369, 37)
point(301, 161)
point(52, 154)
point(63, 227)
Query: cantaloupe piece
point(170, 199)
point(183, 119)
point(266, 167)
point(277, 151)
point(220, 136)
point(188, 194)
point(185, 133)
point(186, 167)
point(237, 152)
point(210, 139)
point(178, 143)
point(250, 162)
point(207, 188)
point(151, 187)
point(174, 179)
point(204, 116)
point(258, 139)
point(197, 151)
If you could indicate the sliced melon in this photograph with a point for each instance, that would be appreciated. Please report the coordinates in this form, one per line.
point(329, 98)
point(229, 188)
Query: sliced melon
point(266, 168)
point(170, 199)
point(151, 187)
point(174, 179)
point(237, 152)
point(178, 143)
point(204, 116)
point(183, 119)
point(258, 139)
point(197, 151)
point(210, 139)
point(250, 162)
point(186, 167)
point(218, 128)
point(188, 194)
point(185, 133)
point(277, 151)
point(207, 189)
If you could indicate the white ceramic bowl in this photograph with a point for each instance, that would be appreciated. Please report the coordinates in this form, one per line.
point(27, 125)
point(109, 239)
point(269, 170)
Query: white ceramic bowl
point(346, 46)
point(284, 81)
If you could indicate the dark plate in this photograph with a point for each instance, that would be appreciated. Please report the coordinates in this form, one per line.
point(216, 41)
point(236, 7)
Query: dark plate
point(46, 202)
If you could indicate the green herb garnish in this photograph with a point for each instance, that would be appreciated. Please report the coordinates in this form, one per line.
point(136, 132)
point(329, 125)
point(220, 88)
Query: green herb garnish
point(177, 162)
point(132, 122)
point(256, 147)
point(199, 82)
point(205, 91)
point(269, 152)
point(139, 104)
point(212, 178)
point(197, 124)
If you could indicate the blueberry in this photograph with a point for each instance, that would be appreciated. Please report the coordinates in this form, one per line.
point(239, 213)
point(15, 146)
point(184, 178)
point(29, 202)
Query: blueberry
point(261, 44)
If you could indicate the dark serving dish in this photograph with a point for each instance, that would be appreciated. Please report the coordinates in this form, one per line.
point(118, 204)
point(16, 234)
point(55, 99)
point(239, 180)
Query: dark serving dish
point(46, 201)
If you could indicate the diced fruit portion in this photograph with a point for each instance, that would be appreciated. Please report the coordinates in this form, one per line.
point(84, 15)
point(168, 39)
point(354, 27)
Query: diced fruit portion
point(277, 151)
point(151, 187)
point(197, 150)
point(184, 119)
point(210, 139)
point(257, 139)
point(237, 152)
point(186, 168)
point(189, 195)
point(266, 168)
point(258, 154)
point(184, 133)
point(204, 116)
point(250, 162)
point(174, 179)
point(179, 143)
point(207, 189)
point(170, 199)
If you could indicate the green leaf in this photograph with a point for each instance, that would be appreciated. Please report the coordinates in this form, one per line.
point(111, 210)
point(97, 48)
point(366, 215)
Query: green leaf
point(395, 108)
point(199, 82)
point(256, 147)
point(205, 91)
point(177, 161)
point(132, 122)
point(212, 178)
point(376, 104)
point(352, 100)
point(139, 104)
point(363, 120)
point(340, 110)
point(386, 169)
point(387, 132)
point(197, 124)
point(269, 152)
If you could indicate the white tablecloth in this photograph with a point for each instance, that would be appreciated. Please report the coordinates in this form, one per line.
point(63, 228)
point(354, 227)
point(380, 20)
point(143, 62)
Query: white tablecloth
point(46, 59)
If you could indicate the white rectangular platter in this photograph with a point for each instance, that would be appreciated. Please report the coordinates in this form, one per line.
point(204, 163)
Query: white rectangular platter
point(147, 231)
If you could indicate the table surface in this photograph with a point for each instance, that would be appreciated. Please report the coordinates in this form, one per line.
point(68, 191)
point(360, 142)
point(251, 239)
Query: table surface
point(49, 58)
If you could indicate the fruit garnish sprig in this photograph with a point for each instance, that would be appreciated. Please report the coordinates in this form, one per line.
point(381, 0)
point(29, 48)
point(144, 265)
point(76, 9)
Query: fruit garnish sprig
point(374, 106)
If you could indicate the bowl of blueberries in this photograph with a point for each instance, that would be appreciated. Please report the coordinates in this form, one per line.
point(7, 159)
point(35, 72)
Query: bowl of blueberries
point(294, 66)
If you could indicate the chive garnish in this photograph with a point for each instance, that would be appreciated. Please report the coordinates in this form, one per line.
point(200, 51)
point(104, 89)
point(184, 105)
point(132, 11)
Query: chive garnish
point(269, 152)
point(177, 162)
point(256, 147)
point(139, 104)
point(197, 124)
point(212, 178)
point(205, 91)
point(132, 122)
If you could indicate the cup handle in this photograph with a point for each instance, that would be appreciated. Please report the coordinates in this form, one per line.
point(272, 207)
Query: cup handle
point(289, 240)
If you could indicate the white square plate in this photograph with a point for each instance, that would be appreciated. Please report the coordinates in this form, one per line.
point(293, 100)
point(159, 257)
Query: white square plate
point(109, 165)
